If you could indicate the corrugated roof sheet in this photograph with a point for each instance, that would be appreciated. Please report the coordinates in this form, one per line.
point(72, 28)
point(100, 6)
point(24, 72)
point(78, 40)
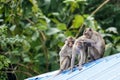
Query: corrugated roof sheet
point(107, 68)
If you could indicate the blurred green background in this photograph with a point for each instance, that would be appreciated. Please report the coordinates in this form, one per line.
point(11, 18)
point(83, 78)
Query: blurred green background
point(33, 31)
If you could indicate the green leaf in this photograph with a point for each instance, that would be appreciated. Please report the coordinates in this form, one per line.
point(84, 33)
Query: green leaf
point(68, 33)
point(26, 46)
point(82, 0)
point(108, 49)
point(4, 61)
point(78, 21)
point(26, 59)
point(55, 20)
point(35, 35)
point(1, 20)
point(1, 65)
point(54, 14)
point(35, 5)
point(61, 26)
point(66, 1)
point(86, 16)
point(52, 31)
point(15, 52)
point(42, 27)
point(112, 29)
point(74, 5)
point(118, 47)
point(13, 27)
point(89, 22)
point(37, 56)
point(60, 36)
point(109, 35)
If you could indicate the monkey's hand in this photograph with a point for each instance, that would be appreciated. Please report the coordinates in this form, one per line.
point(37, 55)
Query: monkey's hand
point(88, 44)
point(71, 69)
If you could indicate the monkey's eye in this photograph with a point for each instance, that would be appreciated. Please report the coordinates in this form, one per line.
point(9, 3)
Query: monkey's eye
point(73, 42)
point(65, 40)
point(79, 43)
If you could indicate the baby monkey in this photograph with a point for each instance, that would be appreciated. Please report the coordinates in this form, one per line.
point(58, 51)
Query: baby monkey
point(66, 54)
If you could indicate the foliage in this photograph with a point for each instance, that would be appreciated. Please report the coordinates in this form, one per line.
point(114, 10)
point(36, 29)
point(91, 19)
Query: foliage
point(4, 63)
point(33, 31)
point(108, 18)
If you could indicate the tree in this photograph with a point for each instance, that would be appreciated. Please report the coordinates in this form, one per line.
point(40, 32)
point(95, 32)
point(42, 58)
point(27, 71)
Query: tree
point(33, 31)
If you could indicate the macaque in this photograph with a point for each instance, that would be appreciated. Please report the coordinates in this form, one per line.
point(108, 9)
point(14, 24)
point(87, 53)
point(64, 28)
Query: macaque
point(89, 44)
point(79, 48)
point(66, 54)
point(96, 43)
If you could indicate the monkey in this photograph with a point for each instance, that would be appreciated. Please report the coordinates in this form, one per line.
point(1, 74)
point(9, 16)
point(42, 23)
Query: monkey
point(66, 54)
point(96, 43)
point(90, 43)
point(79, 48)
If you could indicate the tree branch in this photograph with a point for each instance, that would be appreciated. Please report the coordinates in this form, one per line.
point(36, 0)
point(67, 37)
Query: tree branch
point(27, 68)
point(26, 73)
point(99, 7)
point(93, 13)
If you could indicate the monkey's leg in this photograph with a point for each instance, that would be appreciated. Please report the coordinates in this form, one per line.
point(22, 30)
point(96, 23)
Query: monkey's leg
point(79, 57)
point(63, 63)
point(62, 59)
point(73, 59)
point(82, 58)
point(94, 54)
point(67, 64)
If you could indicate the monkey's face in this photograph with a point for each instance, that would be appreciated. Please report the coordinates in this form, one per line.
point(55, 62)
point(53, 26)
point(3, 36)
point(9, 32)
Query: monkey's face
point(80, 44)
point(88, 32)
point(70, 43)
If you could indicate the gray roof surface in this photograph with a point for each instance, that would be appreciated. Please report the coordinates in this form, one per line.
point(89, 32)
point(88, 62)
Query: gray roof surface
point(107, 68)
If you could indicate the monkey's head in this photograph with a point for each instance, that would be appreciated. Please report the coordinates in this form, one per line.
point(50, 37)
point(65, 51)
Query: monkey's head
point(88, 32)
point(80, 44)
point(70, 41)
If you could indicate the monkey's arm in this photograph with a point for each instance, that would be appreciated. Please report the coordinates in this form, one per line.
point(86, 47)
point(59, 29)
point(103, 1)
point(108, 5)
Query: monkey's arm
point(89, 42)
point(93, 52)
point(63, 51)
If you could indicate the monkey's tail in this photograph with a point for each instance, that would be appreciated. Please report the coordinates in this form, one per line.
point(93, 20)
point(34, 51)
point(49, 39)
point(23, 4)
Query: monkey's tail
point(55, 75)
point(58, 73)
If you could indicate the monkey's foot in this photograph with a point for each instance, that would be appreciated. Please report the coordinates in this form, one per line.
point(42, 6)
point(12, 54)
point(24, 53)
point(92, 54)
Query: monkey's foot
point(80, 68)
point(71, 71)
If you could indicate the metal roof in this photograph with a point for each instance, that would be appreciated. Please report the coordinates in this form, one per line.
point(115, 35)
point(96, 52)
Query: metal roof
point(107, 68)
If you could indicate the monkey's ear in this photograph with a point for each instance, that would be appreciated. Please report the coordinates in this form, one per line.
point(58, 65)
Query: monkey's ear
point(65, 40)
point(84, 32)
point(90, 29)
